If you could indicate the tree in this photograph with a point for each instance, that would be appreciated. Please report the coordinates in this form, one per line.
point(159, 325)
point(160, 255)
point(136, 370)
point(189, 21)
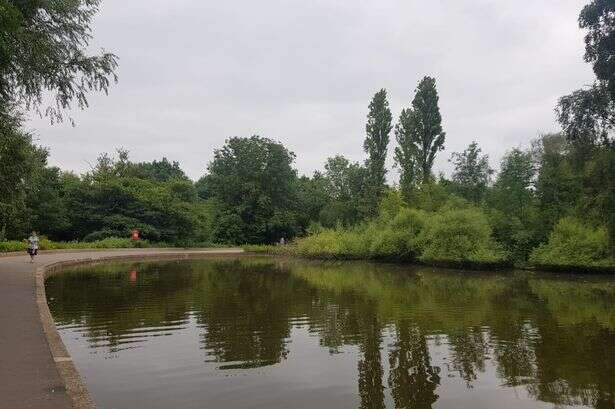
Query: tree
point(558, 185)
point(598, 19)
point(253, 183)
point(113, 207)
point(346, 189)
point(419, 135)
point(513, 210)
point(161, 171)
point(45, 208)
point(312, 198)
point(587, 117)
point(513, 185)
point(378, 128)
point(115, 197)
point(20, 161)
point(43, 48)
point(472, 172)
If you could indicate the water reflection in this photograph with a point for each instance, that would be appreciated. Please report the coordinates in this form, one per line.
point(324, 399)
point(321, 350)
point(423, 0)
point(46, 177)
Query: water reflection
point(359, 335)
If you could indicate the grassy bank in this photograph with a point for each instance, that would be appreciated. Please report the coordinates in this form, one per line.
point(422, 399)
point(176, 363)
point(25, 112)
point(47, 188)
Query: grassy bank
point(108, 243)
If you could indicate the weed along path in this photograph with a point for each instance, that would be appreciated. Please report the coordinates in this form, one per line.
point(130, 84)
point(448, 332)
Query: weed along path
point(35, 369)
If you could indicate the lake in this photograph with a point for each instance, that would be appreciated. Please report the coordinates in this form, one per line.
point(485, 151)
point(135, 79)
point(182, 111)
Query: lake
point(257, 332)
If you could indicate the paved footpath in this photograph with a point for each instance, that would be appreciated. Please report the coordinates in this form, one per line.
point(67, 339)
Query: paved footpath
point(29, 377)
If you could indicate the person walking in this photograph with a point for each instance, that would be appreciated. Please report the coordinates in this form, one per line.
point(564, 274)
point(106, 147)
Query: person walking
point(33, 246)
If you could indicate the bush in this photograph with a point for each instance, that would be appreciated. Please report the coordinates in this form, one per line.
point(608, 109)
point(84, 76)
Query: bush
point(518, 237)
point(572, 244)
point(8, 246)
point(452, 236)
point(391, 237)
point(335, 244)
point(397, 238)
point(460, 237)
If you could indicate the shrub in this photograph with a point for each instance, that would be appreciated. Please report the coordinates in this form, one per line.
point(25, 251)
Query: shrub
point(8, 246)
point(459, 237)
point(397, 238)
point(452, 236)
point(334, 244)
point(517, 236)
point(576, 245)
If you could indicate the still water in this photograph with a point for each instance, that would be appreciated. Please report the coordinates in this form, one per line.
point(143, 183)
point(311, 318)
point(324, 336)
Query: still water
point(271, 334)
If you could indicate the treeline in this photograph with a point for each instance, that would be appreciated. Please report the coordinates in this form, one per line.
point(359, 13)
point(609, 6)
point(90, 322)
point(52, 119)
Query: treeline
point(115, 197)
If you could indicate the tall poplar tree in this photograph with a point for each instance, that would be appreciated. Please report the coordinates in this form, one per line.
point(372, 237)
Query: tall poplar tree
point(419, 135)
point(377, 129)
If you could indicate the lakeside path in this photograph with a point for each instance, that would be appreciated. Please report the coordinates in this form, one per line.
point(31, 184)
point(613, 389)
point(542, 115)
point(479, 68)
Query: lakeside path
point(35, 370)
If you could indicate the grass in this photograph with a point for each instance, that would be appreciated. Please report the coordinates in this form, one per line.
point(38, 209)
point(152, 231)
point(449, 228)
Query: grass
point(45, 244)
point(108, 243)
point(289, 250)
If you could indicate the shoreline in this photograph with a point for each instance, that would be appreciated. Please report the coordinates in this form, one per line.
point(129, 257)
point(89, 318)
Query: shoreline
point(455, 265)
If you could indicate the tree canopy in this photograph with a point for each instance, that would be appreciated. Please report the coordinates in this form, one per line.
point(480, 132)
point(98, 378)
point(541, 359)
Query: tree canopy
point(43, 48)
point(253, 182)
point(472, 173)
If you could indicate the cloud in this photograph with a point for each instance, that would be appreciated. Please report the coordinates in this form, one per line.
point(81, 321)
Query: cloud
point(193, 73)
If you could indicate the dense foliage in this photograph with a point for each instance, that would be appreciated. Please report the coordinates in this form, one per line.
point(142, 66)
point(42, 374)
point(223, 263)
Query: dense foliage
point(116, 197)
point(253, 185)
point(458, 234)
point(43, 47)
point(572, 244)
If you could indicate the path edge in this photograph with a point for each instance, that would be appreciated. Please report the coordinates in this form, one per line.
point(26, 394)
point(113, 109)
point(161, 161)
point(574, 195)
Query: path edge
point(75, 386)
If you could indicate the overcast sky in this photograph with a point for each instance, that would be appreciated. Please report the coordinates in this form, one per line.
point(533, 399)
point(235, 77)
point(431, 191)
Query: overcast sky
point(193, 73)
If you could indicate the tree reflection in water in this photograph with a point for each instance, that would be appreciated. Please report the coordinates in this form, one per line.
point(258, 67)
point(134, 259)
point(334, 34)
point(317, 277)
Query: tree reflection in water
point(412, 379)
point(552, 336)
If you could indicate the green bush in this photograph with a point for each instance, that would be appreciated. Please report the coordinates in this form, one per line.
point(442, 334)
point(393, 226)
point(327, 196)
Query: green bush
point(397, 238)
point(452, 236)
point(8, 246)
point(572, 244)
point(517, 236)
point(335, 244)
point(459, 237)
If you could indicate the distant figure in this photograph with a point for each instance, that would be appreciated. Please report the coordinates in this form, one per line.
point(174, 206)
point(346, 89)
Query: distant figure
point(282, 241)
point(134, 235)
point(33, 246)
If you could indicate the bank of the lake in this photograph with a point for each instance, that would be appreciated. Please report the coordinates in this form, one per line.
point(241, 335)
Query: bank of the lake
point(13, 246)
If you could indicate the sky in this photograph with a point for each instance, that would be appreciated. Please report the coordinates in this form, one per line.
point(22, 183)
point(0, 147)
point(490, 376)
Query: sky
point(193, 73)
